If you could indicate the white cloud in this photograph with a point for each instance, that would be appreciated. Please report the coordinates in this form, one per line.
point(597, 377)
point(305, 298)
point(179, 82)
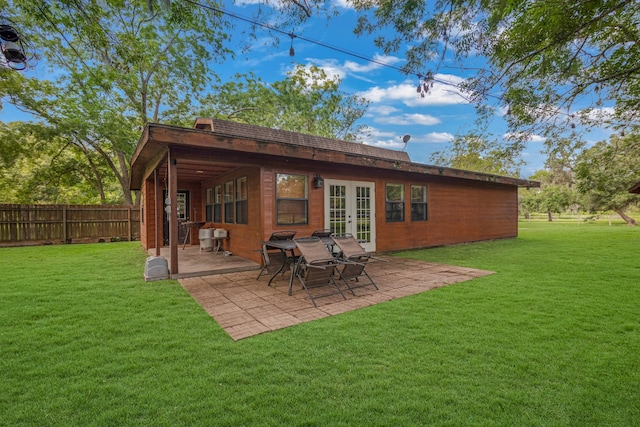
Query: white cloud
point(391, 140)
point(437, 137)
point(345, 4)
point(382, 110)
point(329, 66)
point(408, 119)
point(352, 68)
point(599, 114)
point(445, 91)
point(378, 138)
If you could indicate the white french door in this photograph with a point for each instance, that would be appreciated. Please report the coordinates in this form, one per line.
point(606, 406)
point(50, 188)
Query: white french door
point(349, 207)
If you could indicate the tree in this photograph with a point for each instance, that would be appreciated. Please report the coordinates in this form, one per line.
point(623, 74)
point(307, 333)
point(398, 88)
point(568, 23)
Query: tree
point(477, 152)
point(606, 171)
point(44, 170)
point(306, 101)
point(545, 56)
point(116, 66)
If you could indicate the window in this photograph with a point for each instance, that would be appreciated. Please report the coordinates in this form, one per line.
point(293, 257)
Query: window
point(292, 199)
point(418, 203)
point(208, 205)
point(395, 203)
point(242, 207)
point(228, 202)
point(217, 203)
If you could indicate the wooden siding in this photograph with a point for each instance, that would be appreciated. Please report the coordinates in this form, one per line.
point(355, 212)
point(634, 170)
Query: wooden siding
point(458, 210)
point(463, 206)
point(243, 238)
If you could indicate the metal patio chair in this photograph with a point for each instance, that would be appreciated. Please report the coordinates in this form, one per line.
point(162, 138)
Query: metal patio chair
point(275, 260)
point(322, 233)
point(355, 259)
point(317, 268)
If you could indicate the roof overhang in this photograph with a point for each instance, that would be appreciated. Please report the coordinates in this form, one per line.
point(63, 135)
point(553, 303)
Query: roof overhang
point(254, 143)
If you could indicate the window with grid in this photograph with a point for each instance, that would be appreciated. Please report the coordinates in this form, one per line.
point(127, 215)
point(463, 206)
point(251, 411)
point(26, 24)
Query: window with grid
point(394, 207)
point(242, 206)
point(292, 199)
point(418, 203)
point(228, 202)
point(208, 205)
point(217, 203)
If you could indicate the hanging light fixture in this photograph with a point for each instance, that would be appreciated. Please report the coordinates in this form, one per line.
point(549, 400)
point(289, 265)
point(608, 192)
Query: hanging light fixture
point(12, 48)
point(292, 52)
point(13, 52)
point(8, 33)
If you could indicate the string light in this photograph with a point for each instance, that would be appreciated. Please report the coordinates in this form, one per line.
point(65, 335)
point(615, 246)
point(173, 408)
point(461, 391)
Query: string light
point(12, 47)
point(291, 51)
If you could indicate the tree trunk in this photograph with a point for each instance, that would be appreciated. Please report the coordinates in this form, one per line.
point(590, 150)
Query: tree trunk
point(627, 218)
point(550, 216)
point(124, 178)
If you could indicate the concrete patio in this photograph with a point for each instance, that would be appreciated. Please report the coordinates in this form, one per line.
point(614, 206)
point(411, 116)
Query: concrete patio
point(194, 262)
point(244, 306)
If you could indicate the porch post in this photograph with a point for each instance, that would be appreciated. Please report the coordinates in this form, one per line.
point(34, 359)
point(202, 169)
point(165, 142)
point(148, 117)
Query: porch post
point(173, 219)
point(159, 212)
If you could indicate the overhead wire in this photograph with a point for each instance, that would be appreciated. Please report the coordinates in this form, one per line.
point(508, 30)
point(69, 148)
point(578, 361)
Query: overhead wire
point(424, 79)
point(429, 76)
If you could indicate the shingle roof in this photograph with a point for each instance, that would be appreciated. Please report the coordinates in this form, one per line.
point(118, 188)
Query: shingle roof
point(259, 133)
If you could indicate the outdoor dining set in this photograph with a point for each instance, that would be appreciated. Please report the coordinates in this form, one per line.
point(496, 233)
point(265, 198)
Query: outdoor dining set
point(320, 261)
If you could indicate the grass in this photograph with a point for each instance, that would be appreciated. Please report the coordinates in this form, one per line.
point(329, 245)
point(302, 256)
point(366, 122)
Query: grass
point(552, 339)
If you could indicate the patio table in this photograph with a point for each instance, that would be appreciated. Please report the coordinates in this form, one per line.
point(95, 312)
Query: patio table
point(289, 246)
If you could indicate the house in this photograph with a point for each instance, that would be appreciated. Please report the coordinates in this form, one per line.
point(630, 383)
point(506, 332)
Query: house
point(252, 181)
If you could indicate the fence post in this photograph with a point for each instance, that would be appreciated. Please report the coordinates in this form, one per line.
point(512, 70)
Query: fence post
point(64, 224)
point(129, 224)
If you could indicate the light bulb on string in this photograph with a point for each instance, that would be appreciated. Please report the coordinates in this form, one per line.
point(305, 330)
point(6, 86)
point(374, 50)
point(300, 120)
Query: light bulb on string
point(292, 52)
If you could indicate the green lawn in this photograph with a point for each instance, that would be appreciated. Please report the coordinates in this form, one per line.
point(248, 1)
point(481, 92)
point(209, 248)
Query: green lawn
point(552, 339)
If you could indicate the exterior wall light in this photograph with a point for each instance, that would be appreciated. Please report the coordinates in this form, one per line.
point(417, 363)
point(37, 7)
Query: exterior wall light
point(318, 181)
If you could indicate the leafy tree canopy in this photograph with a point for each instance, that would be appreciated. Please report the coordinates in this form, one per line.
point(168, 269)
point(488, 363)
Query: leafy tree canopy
point(306, 101)
point(113, 66)
point(478, 152)
point(606, 171)
point(543, 56)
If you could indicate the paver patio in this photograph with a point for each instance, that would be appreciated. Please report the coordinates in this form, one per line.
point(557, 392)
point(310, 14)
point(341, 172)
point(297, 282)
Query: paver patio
point(244, 306)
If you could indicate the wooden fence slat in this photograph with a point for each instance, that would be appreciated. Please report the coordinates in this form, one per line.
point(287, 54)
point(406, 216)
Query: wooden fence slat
point(40, 224)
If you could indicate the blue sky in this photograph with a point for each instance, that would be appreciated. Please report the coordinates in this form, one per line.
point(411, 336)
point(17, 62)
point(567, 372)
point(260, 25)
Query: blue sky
point(396, 109)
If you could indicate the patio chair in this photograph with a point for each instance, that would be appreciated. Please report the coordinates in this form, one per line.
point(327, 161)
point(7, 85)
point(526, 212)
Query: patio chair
point(274, 259)
point(322, 233)
point(317, 268)
point(355, 259)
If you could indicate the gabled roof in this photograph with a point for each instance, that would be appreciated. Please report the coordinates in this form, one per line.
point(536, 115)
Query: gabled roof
point(239, 139)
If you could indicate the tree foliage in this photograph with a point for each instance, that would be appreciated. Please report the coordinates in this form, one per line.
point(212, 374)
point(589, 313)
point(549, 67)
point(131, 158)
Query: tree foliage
point(545, 56)
point(113, 66)
point(606, 171)
point(306, 101)
point(116, 65)
point(477, 152)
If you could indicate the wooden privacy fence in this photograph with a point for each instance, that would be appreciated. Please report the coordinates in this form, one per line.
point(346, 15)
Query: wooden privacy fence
point(53, 224)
